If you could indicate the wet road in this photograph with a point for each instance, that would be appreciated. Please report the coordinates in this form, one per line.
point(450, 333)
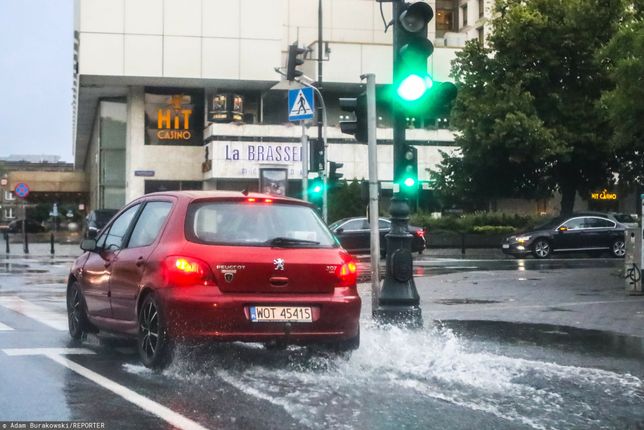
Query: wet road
point(452, 374)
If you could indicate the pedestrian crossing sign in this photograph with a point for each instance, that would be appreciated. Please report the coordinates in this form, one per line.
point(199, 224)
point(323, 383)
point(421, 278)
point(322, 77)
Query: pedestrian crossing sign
point(300, 104)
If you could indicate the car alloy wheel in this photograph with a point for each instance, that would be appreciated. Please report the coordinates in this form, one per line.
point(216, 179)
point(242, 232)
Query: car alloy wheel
point(618, 248)
point(541, 248)
point(154, 345)
point(77, 320)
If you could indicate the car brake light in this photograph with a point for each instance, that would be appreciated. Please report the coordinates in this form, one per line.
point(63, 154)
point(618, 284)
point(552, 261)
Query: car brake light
point(347, 274)
point(254, 200)
point(420, 233)
point(180, 270)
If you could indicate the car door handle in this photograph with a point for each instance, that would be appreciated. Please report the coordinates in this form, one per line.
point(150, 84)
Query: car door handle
point(140, 262)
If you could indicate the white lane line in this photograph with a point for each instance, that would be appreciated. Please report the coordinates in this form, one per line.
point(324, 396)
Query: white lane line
point(39, 313)
point(173, 418)
point(46, 351)
point(4, 327)
point(56, 354)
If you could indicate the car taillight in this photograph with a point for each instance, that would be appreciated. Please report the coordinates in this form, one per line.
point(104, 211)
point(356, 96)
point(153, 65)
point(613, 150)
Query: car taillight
point(420, 233)
point(179, 270)
point(347, 274)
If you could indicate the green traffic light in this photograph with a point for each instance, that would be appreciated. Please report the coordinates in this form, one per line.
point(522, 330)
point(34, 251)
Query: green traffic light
point(413, 87)
point(409, 182)
point(317, 188)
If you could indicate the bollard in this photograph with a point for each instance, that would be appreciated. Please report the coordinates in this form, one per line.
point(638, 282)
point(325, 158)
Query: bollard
point(51, 243)
point(25, 243)
point(6, 241)
point(462, 243)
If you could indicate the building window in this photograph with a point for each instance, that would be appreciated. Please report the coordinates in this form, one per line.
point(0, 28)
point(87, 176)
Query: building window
point(444, 21)
point(8, 195)
point(481, 8)
point(9, 213)
point(481, 36)
point(464, 15)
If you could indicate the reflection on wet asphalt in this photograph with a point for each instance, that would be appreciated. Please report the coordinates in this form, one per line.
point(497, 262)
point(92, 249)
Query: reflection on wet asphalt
point(448, 375)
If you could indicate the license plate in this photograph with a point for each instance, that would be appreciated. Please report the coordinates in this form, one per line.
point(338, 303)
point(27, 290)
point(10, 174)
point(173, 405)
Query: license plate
point(280, 314)
point(506, 246)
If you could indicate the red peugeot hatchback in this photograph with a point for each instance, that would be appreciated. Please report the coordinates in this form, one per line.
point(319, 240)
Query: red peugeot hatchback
point(223, 266)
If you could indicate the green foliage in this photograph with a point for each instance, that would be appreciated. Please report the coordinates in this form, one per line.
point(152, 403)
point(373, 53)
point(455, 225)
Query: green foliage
point(345, 201)
point(481, 222)
point(527, 106)
point(624, 104)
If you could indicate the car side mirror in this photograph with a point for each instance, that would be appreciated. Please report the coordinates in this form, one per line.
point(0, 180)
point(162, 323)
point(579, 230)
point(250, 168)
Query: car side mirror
point(339, 231)
point(562, 229)
point(89, 245)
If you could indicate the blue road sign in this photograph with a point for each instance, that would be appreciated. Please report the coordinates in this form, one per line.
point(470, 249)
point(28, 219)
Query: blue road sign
point(21, 190)
point(300, 104)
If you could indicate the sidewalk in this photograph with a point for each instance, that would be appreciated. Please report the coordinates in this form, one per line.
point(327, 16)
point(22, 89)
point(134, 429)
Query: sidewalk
point(42, 249)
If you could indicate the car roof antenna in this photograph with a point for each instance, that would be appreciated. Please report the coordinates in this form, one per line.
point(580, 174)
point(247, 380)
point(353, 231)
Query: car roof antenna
point(245, 191)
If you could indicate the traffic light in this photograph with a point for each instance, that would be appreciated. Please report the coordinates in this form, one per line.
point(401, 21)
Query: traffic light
point(411, 50)
point(334, 175)
point(357, 126)
point(294, 61)
point(316, 191)
point(407, 177)
point(440, 100)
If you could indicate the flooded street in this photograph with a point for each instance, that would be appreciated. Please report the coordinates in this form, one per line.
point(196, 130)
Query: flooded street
point(454, 373)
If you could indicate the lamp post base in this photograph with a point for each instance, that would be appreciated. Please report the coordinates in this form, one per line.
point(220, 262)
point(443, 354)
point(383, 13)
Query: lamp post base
point(402, 316)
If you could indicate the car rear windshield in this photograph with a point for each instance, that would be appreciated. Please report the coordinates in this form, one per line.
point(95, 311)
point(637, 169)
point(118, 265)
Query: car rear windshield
point(627, 218)
point(256, 224)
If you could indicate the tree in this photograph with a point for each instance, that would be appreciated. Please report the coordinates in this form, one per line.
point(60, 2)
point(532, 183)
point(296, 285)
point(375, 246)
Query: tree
point(624, 103)
point(527, 111)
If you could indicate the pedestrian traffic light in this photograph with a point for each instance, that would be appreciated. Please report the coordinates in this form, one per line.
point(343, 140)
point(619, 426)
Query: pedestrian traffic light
point(358, 126)
point(294, 61)
point(334, 175)
point(411, 50)
point(407, 172)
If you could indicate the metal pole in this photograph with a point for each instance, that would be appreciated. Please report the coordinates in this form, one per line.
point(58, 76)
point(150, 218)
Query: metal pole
point(322, 111)
point(305, 163)
point(25, 243)
point(6, 241)
point(373, 189)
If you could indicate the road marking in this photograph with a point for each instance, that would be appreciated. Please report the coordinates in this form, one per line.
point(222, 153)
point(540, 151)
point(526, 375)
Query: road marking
point(4, 327)
point(55, 320)
point(56, 354)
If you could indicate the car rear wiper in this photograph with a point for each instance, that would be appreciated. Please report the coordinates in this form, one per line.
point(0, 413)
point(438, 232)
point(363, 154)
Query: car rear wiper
point(285, 241)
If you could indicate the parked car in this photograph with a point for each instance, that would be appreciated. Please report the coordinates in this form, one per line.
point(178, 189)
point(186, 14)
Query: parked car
point(31, 225)
point(221, 266)
point(354, 235)
point(589, 232)
point(96, 220)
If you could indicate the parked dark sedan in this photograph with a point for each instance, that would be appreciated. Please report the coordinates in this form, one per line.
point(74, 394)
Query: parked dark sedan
point(586, 232)
point(96, 220)
point(32, 226)
point(354, 235)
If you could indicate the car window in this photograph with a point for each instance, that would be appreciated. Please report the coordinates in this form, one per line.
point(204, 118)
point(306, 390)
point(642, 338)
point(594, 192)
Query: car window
point(383, 224)
point(355, 224)
point(599, 223)
point(574, 224)
point(118, 229)
point(254, 224)
point(149, 224)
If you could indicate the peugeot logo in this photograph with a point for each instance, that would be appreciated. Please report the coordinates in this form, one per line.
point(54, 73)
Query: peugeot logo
point(279, 263)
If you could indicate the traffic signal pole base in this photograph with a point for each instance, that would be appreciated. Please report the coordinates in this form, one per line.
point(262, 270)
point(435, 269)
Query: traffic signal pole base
point(399, 302)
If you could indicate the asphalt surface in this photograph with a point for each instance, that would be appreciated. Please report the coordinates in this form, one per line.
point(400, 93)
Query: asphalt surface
point(506, 344)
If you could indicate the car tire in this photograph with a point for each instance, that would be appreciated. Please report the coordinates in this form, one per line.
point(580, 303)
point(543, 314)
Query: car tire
point(77, 320)
point(618, 248)
point(154, 343)
point(541, 248)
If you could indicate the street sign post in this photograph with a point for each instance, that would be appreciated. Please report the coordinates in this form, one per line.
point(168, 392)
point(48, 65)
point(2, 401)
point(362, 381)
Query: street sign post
point(21, 190)
point(301, 104)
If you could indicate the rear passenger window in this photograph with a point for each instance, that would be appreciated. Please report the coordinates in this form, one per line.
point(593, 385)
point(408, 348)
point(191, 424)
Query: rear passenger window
point(599, 223)
point(356, 224)
point(149, 224)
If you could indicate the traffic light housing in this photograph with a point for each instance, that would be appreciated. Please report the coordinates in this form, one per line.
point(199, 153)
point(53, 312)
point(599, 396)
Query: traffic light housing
point(411, 50)
point(334, 175)
point(316, 191)
point(294, 61)
point(407, 171)
point(358, 126)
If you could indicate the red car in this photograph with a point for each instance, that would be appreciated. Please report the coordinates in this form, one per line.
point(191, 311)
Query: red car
point(222, 266)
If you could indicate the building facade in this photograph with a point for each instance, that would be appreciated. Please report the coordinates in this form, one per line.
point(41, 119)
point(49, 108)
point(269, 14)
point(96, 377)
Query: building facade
point(182, 94)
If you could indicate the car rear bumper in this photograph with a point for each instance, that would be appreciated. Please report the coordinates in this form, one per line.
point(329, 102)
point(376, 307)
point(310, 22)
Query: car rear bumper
point(205, 313)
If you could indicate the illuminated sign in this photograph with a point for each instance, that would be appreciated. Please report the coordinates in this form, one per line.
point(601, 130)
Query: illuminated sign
point(173, 117)
point(604, 195)
point(226, 108)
